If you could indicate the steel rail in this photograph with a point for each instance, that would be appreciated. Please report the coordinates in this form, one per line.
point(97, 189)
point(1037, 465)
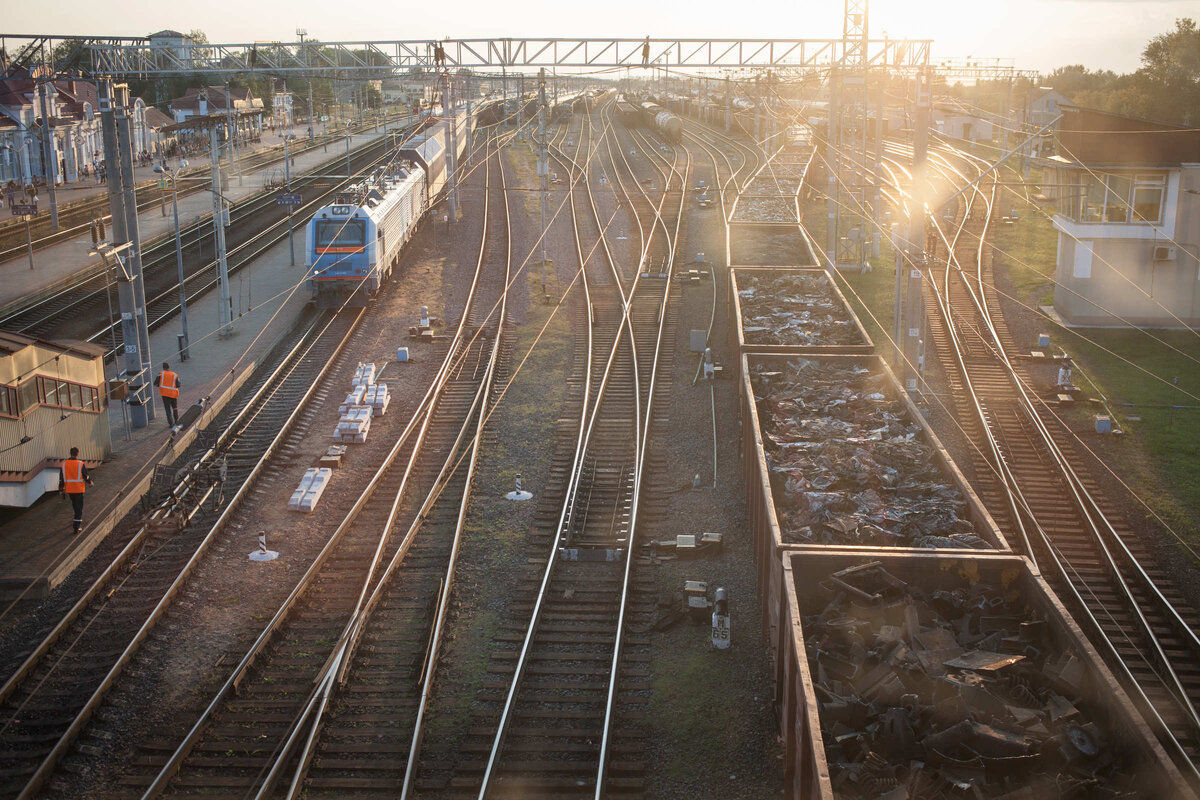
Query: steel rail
point(265, 156)
point(422, 417)
point(93, 702)
point(1100, 525)
point(1084, 503)
point(335, 674)
point(671, 242)
point(573, 483)
point(139, 537)
point(244, 210)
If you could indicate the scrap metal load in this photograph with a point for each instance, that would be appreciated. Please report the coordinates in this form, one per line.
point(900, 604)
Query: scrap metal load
point(664, 123)
point(798, 308)
point(949, 681)
point(771, 195)
point(849, 465)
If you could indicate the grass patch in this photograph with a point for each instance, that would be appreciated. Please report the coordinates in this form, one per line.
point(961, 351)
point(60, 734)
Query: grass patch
point(1028, 250)
point(1158, 460)
point(700, 715)
point(871, 294)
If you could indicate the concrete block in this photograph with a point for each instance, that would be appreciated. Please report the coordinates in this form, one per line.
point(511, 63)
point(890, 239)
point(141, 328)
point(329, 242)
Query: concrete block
point(1043, 340)
point(377, 397)
point(312, 486)
point(354, 425)
point(365, 374)
point(333, 456)
point(402, 354)
point(355, 398)
point(1103, 423)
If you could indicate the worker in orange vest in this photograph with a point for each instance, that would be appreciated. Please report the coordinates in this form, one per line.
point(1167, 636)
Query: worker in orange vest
point(72, 477)
point(168, 384)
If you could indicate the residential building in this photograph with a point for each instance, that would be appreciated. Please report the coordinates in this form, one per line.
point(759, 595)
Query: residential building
point(1128, 221)
point(959, 122)
point(1045, 104)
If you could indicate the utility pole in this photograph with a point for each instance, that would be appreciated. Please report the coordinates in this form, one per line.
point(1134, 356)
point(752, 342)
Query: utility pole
point(728, 106)
point(312, 123)
point(287, 176)
point(758, 141)
point(914, 301)
point(118, 155)
point(543, 168)
point(225, 307)
point(470, 96)
point(833, 156)
point(452, 152)
point(48, 151)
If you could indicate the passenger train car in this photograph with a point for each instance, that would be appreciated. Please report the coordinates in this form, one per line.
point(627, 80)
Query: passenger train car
point(353, 244)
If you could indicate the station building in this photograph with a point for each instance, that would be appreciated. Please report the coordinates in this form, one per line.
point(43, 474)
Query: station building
point(75, 135)
point(52, 397)
point(1128, 221)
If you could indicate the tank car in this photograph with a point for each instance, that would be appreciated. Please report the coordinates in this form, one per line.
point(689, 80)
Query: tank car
point(665, 123)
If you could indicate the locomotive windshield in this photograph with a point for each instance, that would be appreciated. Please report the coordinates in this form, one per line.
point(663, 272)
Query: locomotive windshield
point(341, 233)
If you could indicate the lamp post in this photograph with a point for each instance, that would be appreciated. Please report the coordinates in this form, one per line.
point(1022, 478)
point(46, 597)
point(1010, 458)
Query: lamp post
point(171, 176)
point(287, 176)
point(28, 232)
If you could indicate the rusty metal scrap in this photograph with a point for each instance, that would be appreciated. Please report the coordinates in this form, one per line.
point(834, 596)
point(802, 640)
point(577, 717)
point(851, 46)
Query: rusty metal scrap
point(795, 310)
point(952, 694)
point(848, 465)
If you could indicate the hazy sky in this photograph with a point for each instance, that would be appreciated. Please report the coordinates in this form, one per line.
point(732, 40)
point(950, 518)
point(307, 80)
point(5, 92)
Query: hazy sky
point(1038, 34)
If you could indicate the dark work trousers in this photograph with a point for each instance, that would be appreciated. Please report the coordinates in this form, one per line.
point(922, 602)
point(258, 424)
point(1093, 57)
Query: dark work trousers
point(171, 407)
point(77, 505)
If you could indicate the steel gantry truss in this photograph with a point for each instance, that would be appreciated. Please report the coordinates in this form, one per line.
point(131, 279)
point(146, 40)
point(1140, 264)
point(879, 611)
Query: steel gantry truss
point(140, 57)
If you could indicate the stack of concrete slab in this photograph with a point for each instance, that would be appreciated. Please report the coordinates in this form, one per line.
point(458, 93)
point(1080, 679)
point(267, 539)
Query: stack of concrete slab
point(365, 374)
point(355, 398)
point(354, 425)
point(309, 492)
point(376, 396)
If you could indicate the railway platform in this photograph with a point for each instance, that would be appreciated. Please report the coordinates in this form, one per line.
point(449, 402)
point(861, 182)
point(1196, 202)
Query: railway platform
point(37, 548)
point(85, 188)
point(60, 264)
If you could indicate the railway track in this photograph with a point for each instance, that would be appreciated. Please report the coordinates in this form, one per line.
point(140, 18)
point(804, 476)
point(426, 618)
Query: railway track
point(1040, 485)
point(257, 224)
point(324, 702)
point(75, 219)
point(558, 719)
point(49, 698)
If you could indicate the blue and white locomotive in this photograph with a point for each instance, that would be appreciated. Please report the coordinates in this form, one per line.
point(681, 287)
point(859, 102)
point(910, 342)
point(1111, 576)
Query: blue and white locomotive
point(353, 245)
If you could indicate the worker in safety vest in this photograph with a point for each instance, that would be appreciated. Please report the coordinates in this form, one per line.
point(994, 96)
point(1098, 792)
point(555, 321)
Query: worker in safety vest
point(72, 480)
point(168, 384)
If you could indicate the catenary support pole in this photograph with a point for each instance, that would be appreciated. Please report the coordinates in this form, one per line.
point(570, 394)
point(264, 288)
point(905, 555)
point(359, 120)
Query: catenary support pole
point(543, 168)
point(110, 104)
point(287, 177)
point(225, 306)
point(48, 154)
